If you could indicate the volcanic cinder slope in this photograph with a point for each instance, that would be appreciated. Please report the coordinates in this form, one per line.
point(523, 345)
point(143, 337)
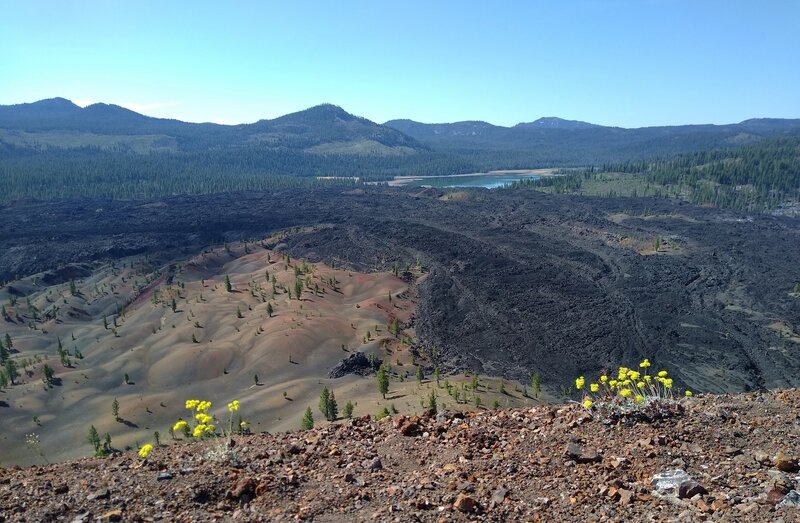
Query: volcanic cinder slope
point(211, 345)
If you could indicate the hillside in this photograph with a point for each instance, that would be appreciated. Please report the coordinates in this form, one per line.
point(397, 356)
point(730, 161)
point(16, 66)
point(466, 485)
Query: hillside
point(761, 177)
point(513, 279)
point(728, 458)
point(554, 141)
point(144, 330)
point(56, 121)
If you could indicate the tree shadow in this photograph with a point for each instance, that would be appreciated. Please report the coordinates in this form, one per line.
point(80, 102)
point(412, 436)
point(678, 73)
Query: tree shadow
point(395, 396)
point(3, 404)
point(129, 424)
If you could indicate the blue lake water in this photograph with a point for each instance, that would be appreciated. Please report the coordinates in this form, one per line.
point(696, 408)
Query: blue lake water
point(478, 180)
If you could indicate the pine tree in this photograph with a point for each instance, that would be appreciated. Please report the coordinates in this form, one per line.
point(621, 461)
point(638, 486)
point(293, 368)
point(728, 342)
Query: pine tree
point(383, 381)
point(94, 440)
point(308, 420)
point(3, 379)
point(115, 409)
point(298, 288)
point(333, 407)
point(536, 384)
point(239, 313)
point(3, 353)
point(9, 343)
point(228, 286)
point(72, 289)
point(270, 310)
point(420, 375)
point(324, 402)
point(432, 405)
point(348, 410)
point(47, 374)
point(11, 370)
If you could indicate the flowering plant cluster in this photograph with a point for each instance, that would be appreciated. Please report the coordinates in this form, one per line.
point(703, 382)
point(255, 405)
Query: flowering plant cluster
point(203, 426)
point(631, 389)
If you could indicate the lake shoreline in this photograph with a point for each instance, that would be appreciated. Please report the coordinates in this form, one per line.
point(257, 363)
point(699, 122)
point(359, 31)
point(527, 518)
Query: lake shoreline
point(400, 181)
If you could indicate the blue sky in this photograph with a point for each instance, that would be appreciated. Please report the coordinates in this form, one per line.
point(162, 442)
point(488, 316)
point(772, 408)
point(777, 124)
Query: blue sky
point(616, 62)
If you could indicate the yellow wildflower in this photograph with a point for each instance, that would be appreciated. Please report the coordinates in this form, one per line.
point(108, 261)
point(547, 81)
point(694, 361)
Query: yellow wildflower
point(647, 378)
point(633, 375)
point(203, 418)
point(662, 374)
point(588, 403)
point(233, 406)
point(640, 385)
point(579, 383)
point(191, 404)
point(199, 431)
point(145, 450)
point(603, 379)
point(203, 406)
point(181, 425)
point(668, 383)
point(594, 387)
point(625, 393)
point(645, 363)
point(639, 398)
point(688, 393)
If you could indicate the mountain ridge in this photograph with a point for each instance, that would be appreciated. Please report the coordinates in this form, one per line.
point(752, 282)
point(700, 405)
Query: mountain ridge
point(545, 122)
point(327, 141)
point(321, 124)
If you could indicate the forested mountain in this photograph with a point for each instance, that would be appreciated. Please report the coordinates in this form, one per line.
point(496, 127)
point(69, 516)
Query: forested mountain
point(55, 149)
point(554, 141)
point(553, 122)
point(55, 122)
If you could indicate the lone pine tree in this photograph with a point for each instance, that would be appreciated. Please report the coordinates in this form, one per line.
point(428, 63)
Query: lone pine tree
point(383, 381)
point(308, 420)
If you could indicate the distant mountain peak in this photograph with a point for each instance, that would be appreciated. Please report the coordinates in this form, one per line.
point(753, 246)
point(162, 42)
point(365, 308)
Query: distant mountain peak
point(554, 122)
point(55, 102)
point(319, 114)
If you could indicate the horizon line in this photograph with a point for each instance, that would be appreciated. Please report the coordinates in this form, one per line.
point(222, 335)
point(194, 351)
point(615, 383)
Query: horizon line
point(133, 106)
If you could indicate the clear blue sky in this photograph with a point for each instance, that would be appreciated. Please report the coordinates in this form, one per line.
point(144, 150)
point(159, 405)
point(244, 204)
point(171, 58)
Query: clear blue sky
point(616, 62)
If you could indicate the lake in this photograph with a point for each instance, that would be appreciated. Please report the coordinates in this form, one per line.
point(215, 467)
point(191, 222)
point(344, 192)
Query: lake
point(487, 181)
